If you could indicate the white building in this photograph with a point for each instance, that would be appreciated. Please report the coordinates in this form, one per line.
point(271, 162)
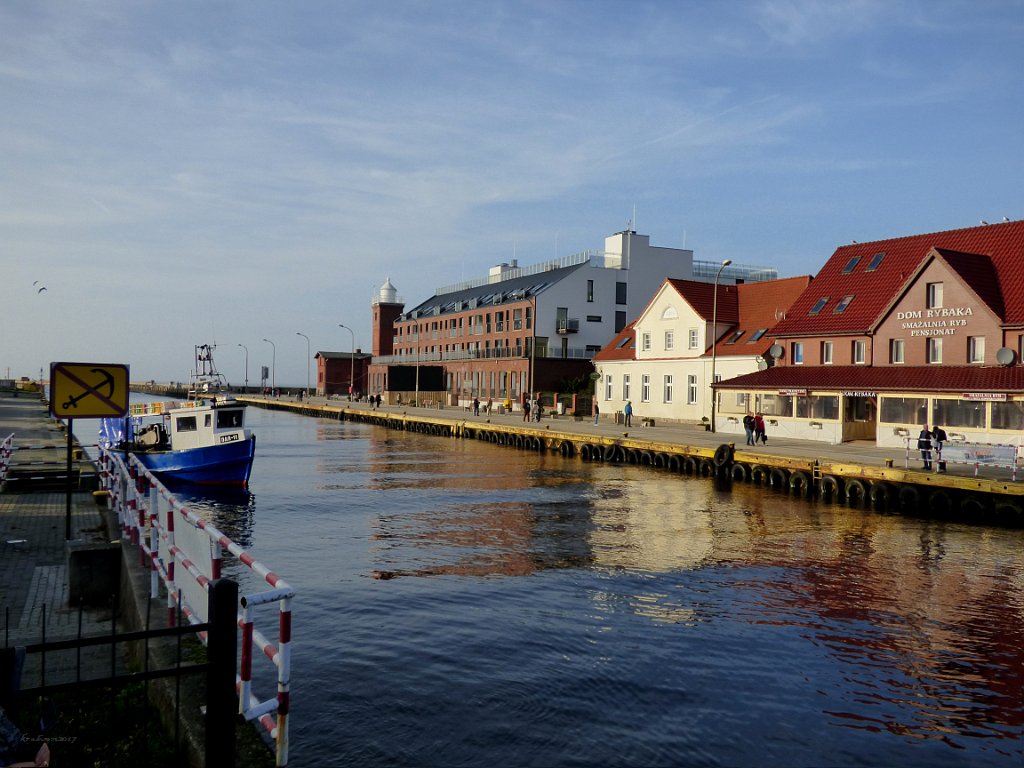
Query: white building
point(663, 362)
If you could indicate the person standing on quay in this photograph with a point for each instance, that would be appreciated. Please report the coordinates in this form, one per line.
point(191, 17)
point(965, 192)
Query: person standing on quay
point(627, 413)
point(526, 409)
point(748, 427)
point(597, 413)
point(938, 438)
point(924, 445)
point(759, 430)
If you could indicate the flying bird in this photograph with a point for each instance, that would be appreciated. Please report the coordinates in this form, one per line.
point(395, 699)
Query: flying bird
point(41, 288)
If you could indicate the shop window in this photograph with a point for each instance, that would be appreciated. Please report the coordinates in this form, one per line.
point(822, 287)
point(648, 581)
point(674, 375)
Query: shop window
point(933, 295)
point(896, 351)
point(934, 349)
point(859, 352)
point(777, 405)
point(1008, 415)
point(958, 413)
point(826, 353)
point(976, 349)
point(817, 407)
point(904, 410)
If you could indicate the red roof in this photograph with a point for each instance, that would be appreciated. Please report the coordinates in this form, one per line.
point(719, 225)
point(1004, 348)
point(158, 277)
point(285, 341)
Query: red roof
point(622, 347)
point(988, 258)
point(893, 378)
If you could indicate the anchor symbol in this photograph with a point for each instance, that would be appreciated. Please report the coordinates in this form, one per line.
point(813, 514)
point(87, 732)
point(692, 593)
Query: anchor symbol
point(108, 382)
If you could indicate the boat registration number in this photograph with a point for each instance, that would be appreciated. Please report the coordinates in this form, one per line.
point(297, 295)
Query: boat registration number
point(229, 438)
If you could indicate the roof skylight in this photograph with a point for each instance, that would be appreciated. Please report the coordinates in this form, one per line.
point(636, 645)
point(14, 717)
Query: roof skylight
point(820, 305)
point(842, 305)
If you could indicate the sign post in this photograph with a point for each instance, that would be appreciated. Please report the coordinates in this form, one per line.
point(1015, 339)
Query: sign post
point(85, 391)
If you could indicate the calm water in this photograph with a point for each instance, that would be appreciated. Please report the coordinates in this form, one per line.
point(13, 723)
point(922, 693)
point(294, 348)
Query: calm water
point(463, 604)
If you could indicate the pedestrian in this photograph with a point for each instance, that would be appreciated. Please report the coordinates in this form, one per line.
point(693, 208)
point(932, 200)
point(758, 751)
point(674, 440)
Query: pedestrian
point(378, 399)
point(490, 402)
point(627, 413)
point(476, 406)
point(924, 445)
point(526, 410)
point(748, 427)
point(938, 438)
point(760, 434)
point(597, 413)
point(538, 410)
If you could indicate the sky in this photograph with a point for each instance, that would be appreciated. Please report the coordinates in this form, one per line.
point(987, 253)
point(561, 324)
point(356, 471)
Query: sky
point(228, 172)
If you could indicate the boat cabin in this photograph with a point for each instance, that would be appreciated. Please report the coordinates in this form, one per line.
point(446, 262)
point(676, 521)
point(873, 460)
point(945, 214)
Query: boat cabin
point(204, 423)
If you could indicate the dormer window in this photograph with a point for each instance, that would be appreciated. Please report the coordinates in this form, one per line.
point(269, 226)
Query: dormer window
point(875, 262)
point(820, 305)
point(842, 305)
point(851, 265)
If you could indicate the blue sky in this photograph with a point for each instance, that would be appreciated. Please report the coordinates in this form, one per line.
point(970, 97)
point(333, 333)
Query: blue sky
point(190, 172)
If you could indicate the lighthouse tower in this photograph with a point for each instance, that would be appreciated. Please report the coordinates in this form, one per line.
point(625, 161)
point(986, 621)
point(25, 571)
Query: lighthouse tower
point(387, 307)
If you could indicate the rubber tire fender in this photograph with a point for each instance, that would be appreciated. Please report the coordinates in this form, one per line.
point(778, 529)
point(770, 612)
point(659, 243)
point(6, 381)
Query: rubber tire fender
point(800, 483)
point(779, 478)
point(831, 487)
point(723, 455)
point(940, 502)
point(909, 499)
point(880, 494)
point(690, 465)
point(609, 453)
point(707, 468)
point(759, 474)
point(856, 492)
point(740, 472)
point(675, 463)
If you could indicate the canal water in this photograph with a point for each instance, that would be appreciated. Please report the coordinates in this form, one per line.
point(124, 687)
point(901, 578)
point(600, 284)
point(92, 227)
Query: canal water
point(465, 604)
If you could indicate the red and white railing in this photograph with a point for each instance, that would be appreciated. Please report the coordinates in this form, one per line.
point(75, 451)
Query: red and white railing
point(6, 448)
point(185, 553)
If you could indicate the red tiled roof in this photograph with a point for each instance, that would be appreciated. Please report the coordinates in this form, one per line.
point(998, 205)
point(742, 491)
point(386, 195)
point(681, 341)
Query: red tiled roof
point(873, 292)
point(622, 347)
point(760, 306)
point(701, 296)
point(864, 378)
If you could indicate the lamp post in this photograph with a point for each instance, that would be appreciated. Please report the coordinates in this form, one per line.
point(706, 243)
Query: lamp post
point(273, 366)
point(714, 340)
point(297, 333)
point(246, 367)
point(352, 373)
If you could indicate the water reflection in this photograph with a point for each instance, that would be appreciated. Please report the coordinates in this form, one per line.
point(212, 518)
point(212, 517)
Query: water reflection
point(230, 509)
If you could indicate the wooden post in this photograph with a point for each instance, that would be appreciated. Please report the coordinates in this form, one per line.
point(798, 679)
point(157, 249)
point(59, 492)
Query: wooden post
point(222, 650)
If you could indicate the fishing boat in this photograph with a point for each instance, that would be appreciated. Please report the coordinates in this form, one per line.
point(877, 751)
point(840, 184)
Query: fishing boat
point(202, 440)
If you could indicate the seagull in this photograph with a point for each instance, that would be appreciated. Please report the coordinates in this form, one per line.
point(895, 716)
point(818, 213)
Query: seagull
point(41, 289)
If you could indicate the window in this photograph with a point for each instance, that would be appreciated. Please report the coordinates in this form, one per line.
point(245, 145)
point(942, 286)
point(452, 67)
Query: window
point(593, 318)
point(933, 298)
point(625, 386)
point(904, 410)
point(817, 407)
point(620, 293)
point(186, 423)
point(691, 389)
point(645, 388)
point(668, 388)
point(842, 305)
point(934, 349)
point(608, 386)
point(820, 305)
point(757, 335)
point(798, 352)
point(620, 321)
point(693, 338)
point(229, 419)
point(590, 291)
point(735, 337)
point(625, 342)
point(851, 265)
point(670, 341)
point(826, 353)
point(896, 351)
point(859, 352)
point(646, 342)
point(976, 349)
point(875, 262)
point(958, 413)
point(1008, 415)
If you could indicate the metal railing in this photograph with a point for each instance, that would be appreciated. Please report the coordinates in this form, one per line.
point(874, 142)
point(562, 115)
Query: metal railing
point(6, 448)
point(171, 538)
point(978, 455)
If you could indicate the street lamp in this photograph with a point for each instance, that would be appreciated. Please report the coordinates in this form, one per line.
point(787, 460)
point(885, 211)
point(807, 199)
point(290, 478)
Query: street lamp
point(246, 367)
point(714, 340)
point(297, 333)
point(273, 366)
point(352, 373)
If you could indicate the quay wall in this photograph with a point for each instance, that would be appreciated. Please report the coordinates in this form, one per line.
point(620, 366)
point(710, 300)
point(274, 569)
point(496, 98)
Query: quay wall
point(833, 478)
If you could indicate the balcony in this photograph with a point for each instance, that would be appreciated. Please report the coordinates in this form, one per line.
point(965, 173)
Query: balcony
point(568, 325)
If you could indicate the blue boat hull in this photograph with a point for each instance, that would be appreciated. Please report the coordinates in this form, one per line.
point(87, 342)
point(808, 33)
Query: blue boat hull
point(228, 464)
